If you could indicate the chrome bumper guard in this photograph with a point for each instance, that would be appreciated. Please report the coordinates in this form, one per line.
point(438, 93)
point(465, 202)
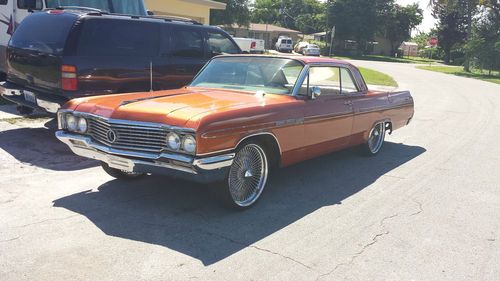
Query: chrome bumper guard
point(207, 169)
point(16, 95)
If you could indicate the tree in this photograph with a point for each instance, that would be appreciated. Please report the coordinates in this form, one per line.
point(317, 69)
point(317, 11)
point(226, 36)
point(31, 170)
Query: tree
point(399, 22)
point(484, 44)
point(307, 16)
point(452, 28)
point(236, 11)
point(465, 9)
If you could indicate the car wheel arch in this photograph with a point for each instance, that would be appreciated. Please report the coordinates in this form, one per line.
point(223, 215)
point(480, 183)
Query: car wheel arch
point(270, 143)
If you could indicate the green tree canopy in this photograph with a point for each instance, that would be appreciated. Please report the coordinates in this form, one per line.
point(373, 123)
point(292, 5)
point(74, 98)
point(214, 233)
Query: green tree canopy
point(236, 11)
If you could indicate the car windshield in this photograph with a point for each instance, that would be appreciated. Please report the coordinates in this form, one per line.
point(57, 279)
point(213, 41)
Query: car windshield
point(129, 7)
point(271, 75)
point(313, 46)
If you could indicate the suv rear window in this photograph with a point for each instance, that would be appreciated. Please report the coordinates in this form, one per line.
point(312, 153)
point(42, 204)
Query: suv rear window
point(43, 32)
point(102, 37)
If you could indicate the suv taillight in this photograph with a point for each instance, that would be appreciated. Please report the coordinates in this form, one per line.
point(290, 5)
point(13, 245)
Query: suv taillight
point(69, 81)
point(253, 45)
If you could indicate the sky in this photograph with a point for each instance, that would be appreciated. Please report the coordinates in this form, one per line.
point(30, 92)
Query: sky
point(429, 21)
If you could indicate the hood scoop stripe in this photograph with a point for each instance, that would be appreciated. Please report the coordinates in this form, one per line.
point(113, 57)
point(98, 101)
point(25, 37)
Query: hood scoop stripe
point(157, 97)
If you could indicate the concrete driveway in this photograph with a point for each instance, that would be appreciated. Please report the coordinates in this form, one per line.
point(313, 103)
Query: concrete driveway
point(427, 208)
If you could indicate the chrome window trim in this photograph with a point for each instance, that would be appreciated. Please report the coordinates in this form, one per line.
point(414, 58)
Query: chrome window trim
point(307, 67)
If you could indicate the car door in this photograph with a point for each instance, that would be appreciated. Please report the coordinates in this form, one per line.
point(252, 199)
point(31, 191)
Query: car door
point(364, 110)
point(186, 55)
point(328, 114)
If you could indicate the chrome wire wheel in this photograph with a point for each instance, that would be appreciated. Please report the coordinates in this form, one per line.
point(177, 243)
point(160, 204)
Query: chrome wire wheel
point(248, 175)
point(376, 138)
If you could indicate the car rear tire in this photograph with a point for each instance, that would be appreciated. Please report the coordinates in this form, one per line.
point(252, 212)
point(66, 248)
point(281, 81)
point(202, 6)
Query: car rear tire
point(376, 139)
point(247, 176)
point(119, 174)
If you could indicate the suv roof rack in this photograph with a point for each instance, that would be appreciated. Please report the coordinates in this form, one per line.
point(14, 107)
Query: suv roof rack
point(94, 11)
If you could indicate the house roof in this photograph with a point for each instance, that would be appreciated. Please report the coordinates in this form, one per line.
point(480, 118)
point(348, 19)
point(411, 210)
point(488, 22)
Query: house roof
point(263, 27)
point(409, 44)
point(211, 4)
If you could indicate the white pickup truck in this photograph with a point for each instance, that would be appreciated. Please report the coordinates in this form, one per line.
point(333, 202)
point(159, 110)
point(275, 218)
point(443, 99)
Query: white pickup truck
point(250, 45)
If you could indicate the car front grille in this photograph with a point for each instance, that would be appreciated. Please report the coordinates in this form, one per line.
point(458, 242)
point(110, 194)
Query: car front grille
point(135, 137)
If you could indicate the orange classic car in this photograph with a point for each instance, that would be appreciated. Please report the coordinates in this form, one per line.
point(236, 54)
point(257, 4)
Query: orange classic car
point(241, 116)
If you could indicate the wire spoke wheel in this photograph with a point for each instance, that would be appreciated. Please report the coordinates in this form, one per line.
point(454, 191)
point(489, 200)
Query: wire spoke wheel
point(248, 175)
point(376, 138)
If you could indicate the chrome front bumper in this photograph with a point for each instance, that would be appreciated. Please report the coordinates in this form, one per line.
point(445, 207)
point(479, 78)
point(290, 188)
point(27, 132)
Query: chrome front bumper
point(206, 169)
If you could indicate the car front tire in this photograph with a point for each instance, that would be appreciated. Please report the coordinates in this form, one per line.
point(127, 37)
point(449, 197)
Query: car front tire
point(119, 174)
point(247, 176)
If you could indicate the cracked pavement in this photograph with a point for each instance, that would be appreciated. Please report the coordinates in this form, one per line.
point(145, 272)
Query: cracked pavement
point(426, 208)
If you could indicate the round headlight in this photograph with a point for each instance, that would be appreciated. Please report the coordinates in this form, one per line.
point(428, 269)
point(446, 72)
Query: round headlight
point(82, 125)
point(189, 144)
point(71, 123)
point(173, 141)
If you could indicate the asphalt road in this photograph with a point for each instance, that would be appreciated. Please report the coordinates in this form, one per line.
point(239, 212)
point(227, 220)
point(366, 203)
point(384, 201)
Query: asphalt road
point(427, 208)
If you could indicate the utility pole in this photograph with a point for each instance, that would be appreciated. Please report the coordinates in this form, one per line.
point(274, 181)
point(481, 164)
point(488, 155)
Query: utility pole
point(331, 40)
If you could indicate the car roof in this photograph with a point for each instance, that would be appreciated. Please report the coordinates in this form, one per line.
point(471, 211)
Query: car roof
point(303, 59)
point(84, 12)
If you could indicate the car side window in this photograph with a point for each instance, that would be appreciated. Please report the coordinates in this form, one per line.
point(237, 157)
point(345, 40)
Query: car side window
point(33, 4)
point(327, 78)
point(348, 85)
point(220, 44)
point(187, 43)
point(4, 2)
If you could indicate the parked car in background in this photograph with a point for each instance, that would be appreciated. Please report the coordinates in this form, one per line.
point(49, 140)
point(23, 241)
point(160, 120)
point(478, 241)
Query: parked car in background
point(299, 46)
point(284, 44)
point(250, 45)
point(240, 117)
point(58, 55)
point(13, 12)
point(311, 50)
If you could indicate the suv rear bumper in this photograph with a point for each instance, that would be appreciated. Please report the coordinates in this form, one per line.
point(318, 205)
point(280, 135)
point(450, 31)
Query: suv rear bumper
point(16, 94)
point(197, 169)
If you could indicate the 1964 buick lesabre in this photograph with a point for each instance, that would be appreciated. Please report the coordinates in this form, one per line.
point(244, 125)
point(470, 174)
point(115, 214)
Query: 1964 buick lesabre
point(241, 116)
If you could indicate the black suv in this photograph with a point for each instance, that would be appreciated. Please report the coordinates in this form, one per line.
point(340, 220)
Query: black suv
point(58, 55)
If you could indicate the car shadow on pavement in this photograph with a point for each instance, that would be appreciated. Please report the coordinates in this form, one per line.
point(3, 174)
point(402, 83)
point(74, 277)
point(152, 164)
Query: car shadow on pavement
point(39, 147)
point(187, 218)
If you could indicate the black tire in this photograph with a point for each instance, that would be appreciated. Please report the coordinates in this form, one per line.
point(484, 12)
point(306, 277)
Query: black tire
point(119, 174)
point(247, 176)
point(375, 142)
point(24, 110)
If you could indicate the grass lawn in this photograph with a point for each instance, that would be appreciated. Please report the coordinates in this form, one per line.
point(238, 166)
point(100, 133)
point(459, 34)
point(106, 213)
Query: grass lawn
point(459, 71)
point(373, 77)
point(417, 60)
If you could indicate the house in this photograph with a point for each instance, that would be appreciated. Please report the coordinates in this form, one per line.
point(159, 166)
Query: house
point(409, 49)
point(320, 36)
point(268, 32)
point(198, 10)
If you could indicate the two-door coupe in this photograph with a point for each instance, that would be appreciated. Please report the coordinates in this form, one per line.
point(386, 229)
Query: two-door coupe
point(239, 117)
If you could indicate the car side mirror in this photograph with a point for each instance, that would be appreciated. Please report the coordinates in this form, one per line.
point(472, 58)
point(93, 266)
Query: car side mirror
point(315, 92)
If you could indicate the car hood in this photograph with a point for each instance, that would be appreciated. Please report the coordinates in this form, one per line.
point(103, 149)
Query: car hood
point(173, 107)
